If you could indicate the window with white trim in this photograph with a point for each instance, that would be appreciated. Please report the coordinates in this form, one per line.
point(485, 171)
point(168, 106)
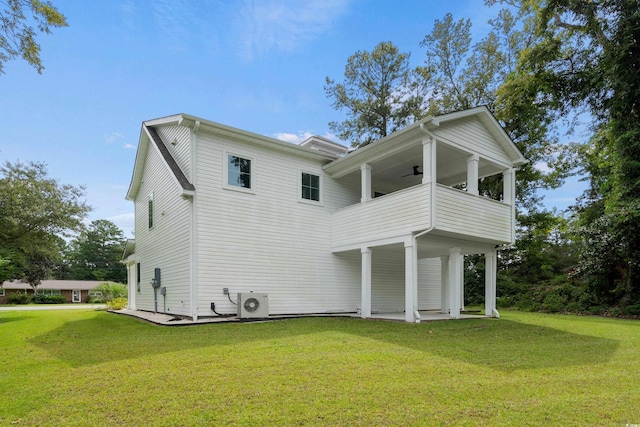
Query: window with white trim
point(49, 292)
point(150, 210)
point(310, 187)
point(239, 171)
point(1, 292)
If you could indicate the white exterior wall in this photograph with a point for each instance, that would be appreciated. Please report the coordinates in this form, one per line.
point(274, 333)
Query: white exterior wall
point(464, 213)
point(167, 244)
point(268, 240)
point(471, 134)
point(388, 284)
point(177, 140)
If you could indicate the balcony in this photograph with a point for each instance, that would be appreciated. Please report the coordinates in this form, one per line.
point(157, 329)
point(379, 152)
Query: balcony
point(398, 214)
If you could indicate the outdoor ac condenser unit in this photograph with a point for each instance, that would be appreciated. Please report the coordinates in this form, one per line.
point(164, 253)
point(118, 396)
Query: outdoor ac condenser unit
point(253, 305)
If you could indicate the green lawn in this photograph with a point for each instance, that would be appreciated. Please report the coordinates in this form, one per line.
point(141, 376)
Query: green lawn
point(83, 367)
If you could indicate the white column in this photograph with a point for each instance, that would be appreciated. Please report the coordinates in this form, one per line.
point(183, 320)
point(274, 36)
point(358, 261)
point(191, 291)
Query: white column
point(428, 160)
point(509, 186)
point(444, 284)
point(365, 180)
point(455, 259)
point(472, 174)
point(462, 284)
point(410, 285)
point(509, 197)
point(490, 275)
point(366, 283)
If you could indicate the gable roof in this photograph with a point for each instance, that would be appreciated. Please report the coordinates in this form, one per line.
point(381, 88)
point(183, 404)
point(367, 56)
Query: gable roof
point(149, 135)
point(399, 140)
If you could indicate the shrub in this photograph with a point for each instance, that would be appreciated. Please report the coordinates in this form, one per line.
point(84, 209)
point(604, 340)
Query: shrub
point(112, 290)
point(95, 300)
point(117, 303)
point(19, 298)
point(49, 299)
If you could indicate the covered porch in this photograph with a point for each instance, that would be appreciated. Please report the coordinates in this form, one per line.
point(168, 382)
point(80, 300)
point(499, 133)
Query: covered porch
point(422, 278)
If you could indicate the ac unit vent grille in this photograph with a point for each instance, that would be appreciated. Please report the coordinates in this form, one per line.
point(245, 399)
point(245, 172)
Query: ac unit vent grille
point(253, 305)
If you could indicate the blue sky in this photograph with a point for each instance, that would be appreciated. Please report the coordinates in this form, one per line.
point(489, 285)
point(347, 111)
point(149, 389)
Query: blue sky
point(256, 65)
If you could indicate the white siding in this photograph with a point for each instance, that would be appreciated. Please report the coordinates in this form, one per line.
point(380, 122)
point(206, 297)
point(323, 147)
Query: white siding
point(473, 216)
point(167, 244)
point(472, 135)
point(269, 241)
point(177, 140)
point(388, 284)
point(393, 215)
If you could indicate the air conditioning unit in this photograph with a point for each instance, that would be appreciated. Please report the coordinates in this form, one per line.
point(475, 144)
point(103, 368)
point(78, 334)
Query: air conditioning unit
point(253, 305)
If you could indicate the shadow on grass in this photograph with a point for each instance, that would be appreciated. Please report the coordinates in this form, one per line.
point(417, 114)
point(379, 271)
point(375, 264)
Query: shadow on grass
point(13, 319)
point(497, 344)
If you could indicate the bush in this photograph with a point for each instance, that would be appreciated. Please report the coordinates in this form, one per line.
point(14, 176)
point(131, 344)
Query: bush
point(49, 299)
point(19, 298)
point(112, 290)
point(117, 303)
point(95, 300)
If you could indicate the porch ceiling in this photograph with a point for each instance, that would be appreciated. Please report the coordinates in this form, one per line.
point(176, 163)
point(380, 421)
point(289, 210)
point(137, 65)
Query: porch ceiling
point(396, 169)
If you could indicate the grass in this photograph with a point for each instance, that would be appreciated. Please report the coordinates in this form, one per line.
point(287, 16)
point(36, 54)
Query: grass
point(84, 367)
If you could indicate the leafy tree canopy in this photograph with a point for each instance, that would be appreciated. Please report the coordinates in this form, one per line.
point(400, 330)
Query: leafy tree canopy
point(17, 34)
point(36, 210)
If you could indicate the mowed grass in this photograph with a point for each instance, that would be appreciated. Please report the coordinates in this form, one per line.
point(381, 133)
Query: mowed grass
point(100, 369)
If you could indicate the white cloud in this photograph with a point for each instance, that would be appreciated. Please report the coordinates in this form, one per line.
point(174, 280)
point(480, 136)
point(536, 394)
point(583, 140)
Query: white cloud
point(283, 25)
point(125, 222)
point(129, 147)
point(293, 138)
point(113, 137)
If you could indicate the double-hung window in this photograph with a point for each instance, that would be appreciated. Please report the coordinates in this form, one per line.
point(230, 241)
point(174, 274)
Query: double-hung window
point(238, 171)
point(310, 189)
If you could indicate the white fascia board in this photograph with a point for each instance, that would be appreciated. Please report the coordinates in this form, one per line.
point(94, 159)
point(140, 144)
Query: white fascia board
point(252, 138)
point(138, 165)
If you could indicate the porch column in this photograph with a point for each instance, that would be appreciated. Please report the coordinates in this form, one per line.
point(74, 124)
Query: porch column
point(366, 283)
point(444, 284)
point(472, 174)
point(490, 274)
point(509, 186)
point(428, 160)
point(462, 284)
point(410, 283)
point(365, 180)
point(455, 279)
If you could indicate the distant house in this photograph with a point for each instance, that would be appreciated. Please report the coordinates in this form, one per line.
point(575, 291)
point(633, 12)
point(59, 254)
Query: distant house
point(72, 290)
point(221, 212)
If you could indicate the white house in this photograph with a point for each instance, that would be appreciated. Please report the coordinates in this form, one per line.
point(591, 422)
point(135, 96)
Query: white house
point(221, 211)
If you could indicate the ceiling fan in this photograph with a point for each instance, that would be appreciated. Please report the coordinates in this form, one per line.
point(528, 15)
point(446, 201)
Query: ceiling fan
point(415, 172)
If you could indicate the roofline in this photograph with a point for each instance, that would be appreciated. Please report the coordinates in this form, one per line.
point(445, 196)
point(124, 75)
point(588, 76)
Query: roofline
point(380, 146)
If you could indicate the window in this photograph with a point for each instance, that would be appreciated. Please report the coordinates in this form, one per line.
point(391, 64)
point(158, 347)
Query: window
point(49, 291)
point(151, 210)
point(310, 187)
point(1, 292)
point(138, 277)
point(238, 171)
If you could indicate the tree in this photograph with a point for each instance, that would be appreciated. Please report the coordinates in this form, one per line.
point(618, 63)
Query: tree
point(95, 254)
point(17, 35)
point(587, 56)
point(380, 94)
point(35, 211)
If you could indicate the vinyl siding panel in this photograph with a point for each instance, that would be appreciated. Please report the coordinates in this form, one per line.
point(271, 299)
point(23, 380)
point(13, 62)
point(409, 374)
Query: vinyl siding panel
point(393, 215)
point(472, 135)
point(474, 216)
point(177, 140)
point(167, 244)
point(268, 240)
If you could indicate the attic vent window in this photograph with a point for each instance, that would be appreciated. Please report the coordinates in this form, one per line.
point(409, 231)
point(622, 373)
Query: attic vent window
point(150, 210)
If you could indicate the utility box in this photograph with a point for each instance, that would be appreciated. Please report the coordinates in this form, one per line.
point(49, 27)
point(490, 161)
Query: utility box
point(253, 305)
